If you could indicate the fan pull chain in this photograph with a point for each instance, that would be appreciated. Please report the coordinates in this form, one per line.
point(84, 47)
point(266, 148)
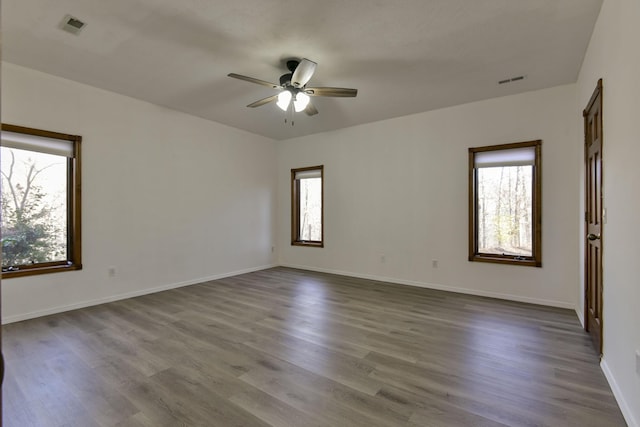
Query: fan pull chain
point(289, 112)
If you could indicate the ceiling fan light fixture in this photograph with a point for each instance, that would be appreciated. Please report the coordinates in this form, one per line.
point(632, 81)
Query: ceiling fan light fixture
point(301, 101)
point(284, 98)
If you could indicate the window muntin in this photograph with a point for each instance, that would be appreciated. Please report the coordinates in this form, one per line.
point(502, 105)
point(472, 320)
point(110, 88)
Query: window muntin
point(505, 203)
point(40, 201)
point(307, 206)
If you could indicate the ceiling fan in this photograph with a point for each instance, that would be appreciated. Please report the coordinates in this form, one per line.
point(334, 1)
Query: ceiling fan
point(294, 93)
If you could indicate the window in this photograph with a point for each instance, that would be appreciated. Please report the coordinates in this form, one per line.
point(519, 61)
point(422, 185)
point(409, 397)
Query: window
point(306, 206)
point(505, 222)
point(40, 201)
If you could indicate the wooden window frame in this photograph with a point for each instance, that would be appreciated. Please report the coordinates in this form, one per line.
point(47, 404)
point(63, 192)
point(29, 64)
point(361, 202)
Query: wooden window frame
point(74, 211)
point(295, 208)
point(474, 255)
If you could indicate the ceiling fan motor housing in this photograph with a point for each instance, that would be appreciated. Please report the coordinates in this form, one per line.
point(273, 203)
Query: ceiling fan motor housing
point(285, 79)
point(292, 64)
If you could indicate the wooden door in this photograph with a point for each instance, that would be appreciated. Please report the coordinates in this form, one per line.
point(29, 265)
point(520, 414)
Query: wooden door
point(593, 217)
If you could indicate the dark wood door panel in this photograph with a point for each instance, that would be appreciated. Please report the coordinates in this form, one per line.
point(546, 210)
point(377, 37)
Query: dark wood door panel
point(593, 217)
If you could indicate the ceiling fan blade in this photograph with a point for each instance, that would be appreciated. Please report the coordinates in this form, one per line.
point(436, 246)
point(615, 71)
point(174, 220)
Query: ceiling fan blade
point(340, 92)
point(303, 72)
point(310, 110)
point(252, 80)
point(263, 101)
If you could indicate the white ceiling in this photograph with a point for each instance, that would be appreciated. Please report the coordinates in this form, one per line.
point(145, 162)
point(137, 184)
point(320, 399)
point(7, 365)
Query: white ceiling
point(403, 56)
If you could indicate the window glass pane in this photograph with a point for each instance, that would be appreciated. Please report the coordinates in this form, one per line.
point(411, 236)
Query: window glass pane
point(34, 207)
point(504, 210)
point(311, 209)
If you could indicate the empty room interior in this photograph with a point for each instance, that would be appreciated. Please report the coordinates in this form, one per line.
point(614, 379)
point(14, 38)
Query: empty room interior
point(340, 213)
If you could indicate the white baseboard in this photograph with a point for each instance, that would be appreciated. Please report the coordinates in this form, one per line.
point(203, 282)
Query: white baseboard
point(625, 408)
point(83, 304)
point(477, 292)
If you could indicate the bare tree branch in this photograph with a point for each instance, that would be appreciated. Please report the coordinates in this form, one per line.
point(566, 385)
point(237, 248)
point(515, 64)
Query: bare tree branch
point(9, 179)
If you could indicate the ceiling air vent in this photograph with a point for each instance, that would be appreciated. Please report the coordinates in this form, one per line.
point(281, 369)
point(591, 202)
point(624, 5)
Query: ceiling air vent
point(72, 25)
point(511, 79)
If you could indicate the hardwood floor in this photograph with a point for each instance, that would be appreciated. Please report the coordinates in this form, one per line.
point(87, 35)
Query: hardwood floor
point(285, 347)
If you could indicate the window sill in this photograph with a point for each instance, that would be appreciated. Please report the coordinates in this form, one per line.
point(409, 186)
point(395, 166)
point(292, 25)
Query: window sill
point(527, 262)
point(33, 271)
point(312, 244)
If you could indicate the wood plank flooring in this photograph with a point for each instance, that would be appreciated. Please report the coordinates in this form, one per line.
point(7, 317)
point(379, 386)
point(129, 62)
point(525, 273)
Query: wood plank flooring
point(285, 347)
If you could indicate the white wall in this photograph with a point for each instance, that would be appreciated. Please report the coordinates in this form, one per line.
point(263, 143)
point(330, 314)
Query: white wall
point(613, 55)
point(167, 198)
point(398, 188)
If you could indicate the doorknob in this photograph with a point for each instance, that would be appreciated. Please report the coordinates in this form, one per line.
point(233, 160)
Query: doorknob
point(592, 236)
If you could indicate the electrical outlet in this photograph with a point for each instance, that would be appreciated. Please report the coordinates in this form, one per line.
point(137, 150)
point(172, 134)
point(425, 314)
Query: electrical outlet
point(112, 271)
point(434, 263)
